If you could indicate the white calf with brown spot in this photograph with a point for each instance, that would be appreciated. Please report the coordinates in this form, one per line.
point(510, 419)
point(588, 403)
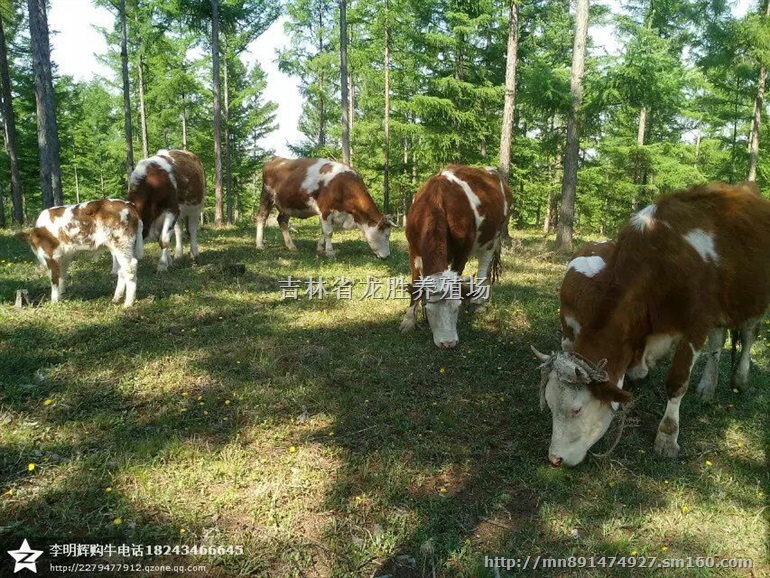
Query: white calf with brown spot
point(62, 232)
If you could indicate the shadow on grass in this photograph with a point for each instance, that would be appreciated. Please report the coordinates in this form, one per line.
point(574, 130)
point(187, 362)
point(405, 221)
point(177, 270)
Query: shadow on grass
point(442, 454)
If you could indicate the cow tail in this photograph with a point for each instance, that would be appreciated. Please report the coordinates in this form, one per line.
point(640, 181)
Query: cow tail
point(139, 240)
point(496, 268)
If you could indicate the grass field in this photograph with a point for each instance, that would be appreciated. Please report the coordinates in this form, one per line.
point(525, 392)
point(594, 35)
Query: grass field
point(327, 444)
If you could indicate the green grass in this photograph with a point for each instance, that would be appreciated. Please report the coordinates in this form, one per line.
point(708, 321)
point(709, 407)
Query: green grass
point(326, 443)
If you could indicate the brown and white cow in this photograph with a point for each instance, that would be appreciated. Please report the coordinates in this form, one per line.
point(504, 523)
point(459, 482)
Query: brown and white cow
point(61, 232)
point(683, 270)
point(168, 190)
point(304, 188)
point(456, 214)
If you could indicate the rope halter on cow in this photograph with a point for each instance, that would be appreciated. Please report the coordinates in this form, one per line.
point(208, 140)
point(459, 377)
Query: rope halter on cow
point(576, 371)
point(571, 369)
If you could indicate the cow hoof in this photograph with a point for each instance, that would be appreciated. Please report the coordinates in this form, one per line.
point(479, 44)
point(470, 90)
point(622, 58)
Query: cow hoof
point(260, 247)
point(178, 256)
point(292, 247)
point(406, 325)
point(706, 394)
point(327, 254)
point(162, 268)
point(666, 446)
point(478, 308)
point(740, 382)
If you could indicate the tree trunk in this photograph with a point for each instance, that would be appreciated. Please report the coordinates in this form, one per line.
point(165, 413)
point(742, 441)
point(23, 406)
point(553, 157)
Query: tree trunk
point(9, 126)
point(351, 103)
point(344, 82)
point(184, 123)
point(47, 130)
point(564, 234)
point(2, 207)
point(142, 110)
point(228, 160)
point(126, 93)
point(321, 81)
point(506, 135)
point(386, 168)
point(219, 210)
point(77, 186)
point(757, 118)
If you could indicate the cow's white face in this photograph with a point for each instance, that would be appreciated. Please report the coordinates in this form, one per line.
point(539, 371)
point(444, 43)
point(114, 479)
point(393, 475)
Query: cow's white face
point(378, 237)
point(442, 317)
point(582, 403)
point(579, 420)
point(442, 307)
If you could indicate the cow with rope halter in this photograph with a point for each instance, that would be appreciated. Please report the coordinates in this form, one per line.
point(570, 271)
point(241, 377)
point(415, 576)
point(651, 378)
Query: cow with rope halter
point(683, 271)
point(459, 213)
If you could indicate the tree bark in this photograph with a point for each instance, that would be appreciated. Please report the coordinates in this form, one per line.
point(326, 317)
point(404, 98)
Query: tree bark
point(506, 135)
point(219, 210)
point(184, 122)
point(344, 82)
point(126, 93)
point(321, 80)
point(9, 126)
point(142, 110)
point(47, 130)
point(757, 117)
point(386, 168)
point(566, 220)
point(228, 160)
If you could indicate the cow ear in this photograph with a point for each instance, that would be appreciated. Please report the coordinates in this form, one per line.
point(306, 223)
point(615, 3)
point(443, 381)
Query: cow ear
point(609, 392)
point(389, 221)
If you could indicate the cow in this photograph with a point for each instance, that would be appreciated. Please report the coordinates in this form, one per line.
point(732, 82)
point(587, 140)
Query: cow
point(61, 232)
point(168, 190)
point(683, 270)
point(459, 213)
point(335, 192)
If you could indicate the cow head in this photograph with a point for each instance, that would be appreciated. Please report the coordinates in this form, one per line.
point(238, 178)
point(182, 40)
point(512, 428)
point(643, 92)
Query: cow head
point(582, 402)
point(442, 306)
point(378, 236)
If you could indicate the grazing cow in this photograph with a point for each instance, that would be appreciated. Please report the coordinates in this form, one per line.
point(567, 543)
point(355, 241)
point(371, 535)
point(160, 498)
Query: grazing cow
point(584, 271)
point(61, 232)
point(168, 190)
point(683, 270)
point(456, 214)
point(335, 192)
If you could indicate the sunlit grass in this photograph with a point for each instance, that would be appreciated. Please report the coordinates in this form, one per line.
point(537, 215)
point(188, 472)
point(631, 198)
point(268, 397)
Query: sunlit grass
point(326, 443)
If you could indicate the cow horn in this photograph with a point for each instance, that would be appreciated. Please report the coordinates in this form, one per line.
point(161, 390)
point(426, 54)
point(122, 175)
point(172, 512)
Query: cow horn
point(541, 356)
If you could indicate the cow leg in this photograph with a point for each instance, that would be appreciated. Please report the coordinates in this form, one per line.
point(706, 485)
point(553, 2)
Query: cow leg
point(324, 247)
point(265, 206)
point(676, 386)
point(53, 275)
point(740, 376)
point(165, 239)
point(710, 377)
point(126, 278)
point(193, 220)
point(64, 264)
point(478, 303)
point(178, 250)
point(115, 266)
point(410, 317)
point(283, 223)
